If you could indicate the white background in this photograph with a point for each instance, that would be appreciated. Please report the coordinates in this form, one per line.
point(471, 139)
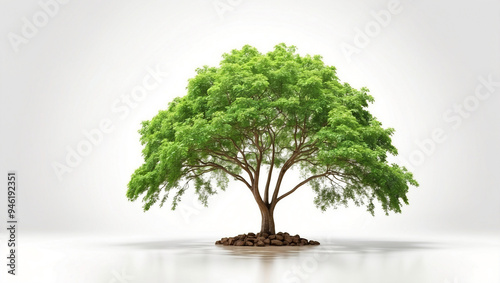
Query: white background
point(66, 78)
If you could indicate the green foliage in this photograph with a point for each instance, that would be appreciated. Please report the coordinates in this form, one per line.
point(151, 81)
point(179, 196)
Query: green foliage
point(276, 110)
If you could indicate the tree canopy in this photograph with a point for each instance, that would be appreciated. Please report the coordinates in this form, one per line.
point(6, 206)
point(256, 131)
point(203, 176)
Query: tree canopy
point(257, 115)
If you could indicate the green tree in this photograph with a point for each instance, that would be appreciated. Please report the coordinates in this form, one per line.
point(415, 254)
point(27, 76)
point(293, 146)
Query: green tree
point(262, 114)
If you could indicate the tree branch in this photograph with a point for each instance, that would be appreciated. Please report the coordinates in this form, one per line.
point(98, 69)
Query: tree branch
point(271, 166)
point(243, 155)
point(223, 156)
point(283, 170)
point(236, 176)
point(255, 183)
point(301, 184)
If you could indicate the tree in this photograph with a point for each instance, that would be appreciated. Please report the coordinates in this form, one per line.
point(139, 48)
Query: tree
point(258, 116)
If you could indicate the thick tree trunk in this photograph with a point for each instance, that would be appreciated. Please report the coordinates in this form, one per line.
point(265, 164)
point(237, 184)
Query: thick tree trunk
point(267, 221)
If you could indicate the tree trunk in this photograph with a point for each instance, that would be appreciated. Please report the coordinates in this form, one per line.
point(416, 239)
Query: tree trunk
point(267, 221)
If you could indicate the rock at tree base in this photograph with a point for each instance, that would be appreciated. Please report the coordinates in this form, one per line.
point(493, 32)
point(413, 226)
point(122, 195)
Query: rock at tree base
point(276, 243)
point(239, 243)
point(264, 239)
